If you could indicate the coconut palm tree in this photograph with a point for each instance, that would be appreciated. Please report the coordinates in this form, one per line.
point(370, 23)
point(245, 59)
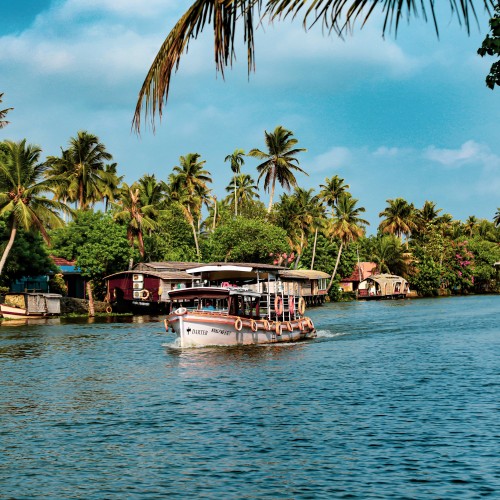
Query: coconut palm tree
point(470, 225)
point(236, 161)
point(138, 217)
point(331, 190)
point(188, 186)
point(3, 114)
point(245, 190)
point(22, 188)
point(110, 187)
point(388, 253)
point(82, 168)
point(496, 219)
point(399, 218)
point(347, 226)
point(335, 15)
point(279, 161)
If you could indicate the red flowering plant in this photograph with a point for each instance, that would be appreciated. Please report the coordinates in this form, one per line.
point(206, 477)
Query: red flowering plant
point(460, 267)
point(282, 259)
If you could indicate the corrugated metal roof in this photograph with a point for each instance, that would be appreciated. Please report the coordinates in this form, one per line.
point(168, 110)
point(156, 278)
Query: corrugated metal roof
point(303, 274)
point(165, 275)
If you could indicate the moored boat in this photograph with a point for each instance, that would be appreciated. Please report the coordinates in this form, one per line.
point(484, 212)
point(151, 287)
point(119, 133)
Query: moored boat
point(30, 305)
point(231, 308)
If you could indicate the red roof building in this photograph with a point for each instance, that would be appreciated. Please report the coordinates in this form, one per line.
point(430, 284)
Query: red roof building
point(362, 270)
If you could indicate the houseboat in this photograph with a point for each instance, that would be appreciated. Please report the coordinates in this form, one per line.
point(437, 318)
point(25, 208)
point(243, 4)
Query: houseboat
point(383, 286)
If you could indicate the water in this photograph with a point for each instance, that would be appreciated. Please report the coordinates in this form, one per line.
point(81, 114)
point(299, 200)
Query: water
point(394, 399)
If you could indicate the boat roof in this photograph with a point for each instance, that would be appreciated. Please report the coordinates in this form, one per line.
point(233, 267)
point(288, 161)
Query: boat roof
point(230, 271)
point(384, 278)
point(209, 292)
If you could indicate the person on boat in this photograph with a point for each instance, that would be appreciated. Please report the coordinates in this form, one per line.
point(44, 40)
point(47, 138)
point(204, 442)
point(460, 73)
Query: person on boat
point(209, 306)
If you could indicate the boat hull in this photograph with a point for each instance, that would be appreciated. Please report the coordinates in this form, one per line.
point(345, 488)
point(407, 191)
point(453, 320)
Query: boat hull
point(10, 312)
point(198, 329)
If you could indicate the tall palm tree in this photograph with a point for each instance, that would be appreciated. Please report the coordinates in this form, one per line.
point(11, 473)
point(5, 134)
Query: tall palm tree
point(3, 114)
point(236, 161)
point(335, 15)
point(110, 187)
point(189, 187)
point(82, 167)
point(245, 190)
point(22, 188)
point(279, 161)
point(347, 226)
point(399, 218)
point(152, 191)
point(138, 217)
point(471, 224)
point(331, 190)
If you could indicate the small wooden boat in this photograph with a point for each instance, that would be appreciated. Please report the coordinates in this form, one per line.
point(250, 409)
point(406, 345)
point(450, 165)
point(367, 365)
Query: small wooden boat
point(31, 305)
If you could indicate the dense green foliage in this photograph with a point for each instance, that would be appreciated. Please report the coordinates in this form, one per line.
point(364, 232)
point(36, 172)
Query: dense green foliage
point(29, 256)
point(97, 244)
point(245, 240)
point(181, 219)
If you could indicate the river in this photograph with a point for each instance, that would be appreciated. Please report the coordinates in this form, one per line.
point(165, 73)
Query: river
point(393, 400)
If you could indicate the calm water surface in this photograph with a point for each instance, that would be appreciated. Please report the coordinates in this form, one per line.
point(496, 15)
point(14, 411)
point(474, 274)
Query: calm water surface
point(394, 399)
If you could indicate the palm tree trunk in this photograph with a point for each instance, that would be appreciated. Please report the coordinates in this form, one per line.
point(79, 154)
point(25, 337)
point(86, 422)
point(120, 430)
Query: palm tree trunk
point(215, 214)
point(196, 240)
point(8, 248)
point(235, 202)
point(271, 196)
point(140, 240)
point(314, 248)
point(91, 299)
point(335, 269)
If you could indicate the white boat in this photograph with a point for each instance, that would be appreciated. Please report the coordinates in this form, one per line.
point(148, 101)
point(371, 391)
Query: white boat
point(223, 312)
point(30, 305)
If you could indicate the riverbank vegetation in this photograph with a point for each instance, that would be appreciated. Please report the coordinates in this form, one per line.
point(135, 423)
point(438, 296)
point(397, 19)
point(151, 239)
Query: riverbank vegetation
point(78, 207)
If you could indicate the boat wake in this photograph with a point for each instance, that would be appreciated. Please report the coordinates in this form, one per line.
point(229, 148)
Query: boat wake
point(328, 334)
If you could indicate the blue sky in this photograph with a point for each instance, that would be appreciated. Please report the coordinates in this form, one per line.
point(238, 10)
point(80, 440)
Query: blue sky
point(403, 117)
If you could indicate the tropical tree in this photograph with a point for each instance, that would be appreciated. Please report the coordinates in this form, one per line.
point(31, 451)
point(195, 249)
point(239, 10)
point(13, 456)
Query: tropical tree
point(3, 114)
point(338, 16)
point(81, 170)
point(188, 186)
point(110, 187)
point(98, 245)
point(491, 47)
point(22, 189)
point(347, 226)
point(496, 219)
point(389, 254)
point(470, 225)
point(279, 161)
point(331, 190)
point(399, 218)
point(236, 161)
point(245, 190)
point(138, 217)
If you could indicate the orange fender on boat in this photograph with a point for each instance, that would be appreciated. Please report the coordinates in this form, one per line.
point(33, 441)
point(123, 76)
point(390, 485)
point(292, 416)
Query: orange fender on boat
point(278, 328)
point(253, 325)
point(238, 324)
point(278, 305)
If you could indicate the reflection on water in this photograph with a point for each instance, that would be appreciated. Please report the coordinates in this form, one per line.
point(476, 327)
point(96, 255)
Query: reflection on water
point(392, 400)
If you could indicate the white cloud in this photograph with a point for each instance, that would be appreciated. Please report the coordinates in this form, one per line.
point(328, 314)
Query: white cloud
point(469, 152)
point(334, 158)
